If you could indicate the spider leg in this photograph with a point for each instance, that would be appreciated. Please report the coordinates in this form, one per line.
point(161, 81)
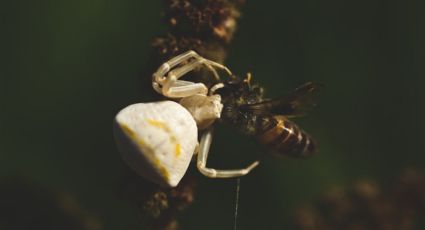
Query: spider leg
point(175, 88)
point(170, 86)
point(159, 75)
point(214, 173)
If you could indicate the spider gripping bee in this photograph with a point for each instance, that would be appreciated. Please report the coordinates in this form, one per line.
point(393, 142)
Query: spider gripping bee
point(267, 120)
point(158, 139)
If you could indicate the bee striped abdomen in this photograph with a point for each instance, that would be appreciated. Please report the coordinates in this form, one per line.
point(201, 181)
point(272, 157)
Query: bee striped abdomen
point(286, 138)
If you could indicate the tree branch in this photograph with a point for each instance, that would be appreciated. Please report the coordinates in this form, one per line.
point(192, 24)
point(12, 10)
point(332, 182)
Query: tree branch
point(206, 26)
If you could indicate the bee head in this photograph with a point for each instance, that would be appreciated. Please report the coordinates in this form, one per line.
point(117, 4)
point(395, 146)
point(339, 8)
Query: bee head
point(238, 91)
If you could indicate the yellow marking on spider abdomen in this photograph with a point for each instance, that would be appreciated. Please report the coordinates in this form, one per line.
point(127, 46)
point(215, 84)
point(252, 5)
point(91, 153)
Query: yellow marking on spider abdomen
point(173, 139)
point(163, 171)
point(127, 131)
point(132, 135)
point(163, 126)
point(177, 150)
point(159, 124)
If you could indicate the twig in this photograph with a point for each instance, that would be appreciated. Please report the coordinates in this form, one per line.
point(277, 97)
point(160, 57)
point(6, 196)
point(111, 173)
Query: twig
point(206, 26)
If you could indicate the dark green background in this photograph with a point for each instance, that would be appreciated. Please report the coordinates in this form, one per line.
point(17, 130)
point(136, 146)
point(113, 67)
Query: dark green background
point(68, 66)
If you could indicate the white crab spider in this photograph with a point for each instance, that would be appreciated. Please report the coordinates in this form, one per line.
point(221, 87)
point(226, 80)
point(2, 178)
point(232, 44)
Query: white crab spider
point(158, 139)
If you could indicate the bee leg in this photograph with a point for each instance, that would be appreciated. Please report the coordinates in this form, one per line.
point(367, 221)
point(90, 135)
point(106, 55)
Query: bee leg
point(210, 172)
point(170, 86)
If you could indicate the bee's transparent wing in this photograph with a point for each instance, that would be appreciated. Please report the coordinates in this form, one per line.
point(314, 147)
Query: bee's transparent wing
point(297, 103)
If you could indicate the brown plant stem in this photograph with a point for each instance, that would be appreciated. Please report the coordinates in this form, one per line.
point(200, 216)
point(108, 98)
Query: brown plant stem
point(207, 27)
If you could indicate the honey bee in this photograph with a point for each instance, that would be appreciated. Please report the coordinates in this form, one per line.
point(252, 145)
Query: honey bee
point(268, 119)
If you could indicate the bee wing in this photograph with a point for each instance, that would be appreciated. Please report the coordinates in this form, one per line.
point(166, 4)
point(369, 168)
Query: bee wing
point(296, 103)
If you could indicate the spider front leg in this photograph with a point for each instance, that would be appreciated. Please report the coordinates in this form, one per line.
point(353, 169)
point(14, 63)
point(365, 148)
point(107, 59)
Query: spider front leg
point(204, 147)
point(174, 88)
point(165, 79)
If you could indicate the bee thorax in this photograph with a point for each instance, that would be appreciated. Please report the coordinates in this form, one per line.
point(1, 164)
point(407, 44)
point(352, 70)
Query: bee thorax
point(204, 109)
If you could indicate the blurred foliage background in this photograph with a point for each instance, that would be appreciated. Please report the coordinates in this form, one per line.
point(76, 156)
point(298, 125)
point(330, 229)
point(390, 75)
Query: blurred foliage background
point(68, 66)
